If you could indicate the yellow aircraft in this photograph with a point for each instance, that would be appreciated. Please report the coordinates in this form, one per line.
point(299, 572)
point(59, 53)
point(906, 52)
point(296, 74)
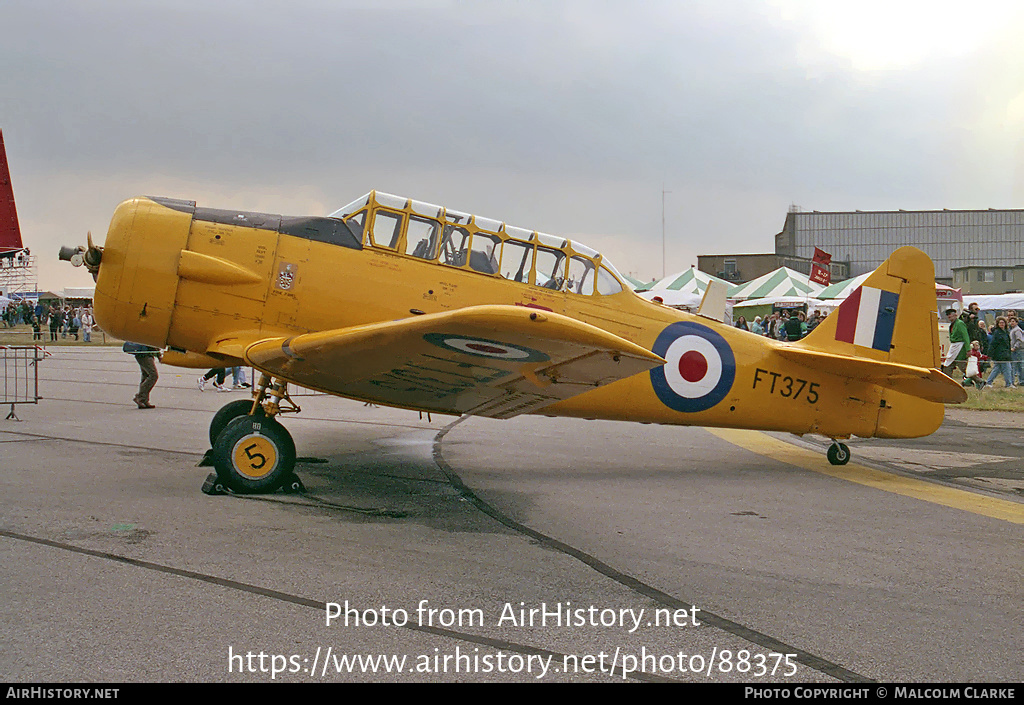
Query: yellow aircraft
point(407, 304)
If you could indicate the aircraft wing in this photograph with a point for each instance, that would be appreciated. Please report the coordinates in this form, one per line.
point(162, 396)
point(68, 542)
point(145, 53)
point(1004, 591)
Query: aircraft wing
point(497, 361)
point(929, 384)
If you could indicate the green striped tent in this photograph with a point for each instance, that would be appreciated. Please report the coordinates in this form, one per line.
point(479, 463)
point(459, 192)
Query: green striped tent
point(691, 280)
point(782, 282)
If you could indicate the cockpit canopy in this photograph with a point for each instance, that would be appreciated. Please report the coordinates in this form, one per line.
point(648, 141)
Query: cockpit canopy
point(457, 239)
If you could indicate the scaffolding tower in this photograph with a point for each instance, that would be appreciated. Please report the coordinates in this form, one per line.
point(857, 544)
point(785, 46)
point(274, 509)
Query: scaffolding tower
point(18, 275)
point(17, 263)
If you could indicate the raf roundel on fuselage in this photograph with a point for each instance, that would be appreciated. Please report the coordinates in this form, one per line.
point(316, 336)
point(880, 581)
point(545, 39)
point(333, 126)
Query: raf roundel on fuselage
point(699, 367)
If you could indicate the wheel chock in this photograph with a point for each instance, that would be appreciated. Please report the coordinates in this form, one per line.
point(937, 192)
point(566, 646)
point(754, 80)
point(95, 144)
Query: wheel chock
point(293, 485)
point(213, 485)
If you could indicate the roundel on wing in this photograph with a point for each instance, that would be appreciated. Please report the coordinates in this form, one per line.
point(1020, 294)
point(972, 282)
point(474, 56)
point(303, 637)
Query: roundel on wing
point(482, 347)
point(699, 367)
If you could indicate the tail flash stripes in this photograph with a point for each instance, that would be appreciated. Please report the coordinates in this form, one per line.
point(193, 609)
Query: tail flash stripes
point(868, 318)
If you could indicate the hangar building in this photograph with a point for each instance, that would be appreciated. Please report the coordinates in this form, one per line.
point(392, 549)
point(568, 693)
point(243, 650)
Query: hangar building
point(864, 239)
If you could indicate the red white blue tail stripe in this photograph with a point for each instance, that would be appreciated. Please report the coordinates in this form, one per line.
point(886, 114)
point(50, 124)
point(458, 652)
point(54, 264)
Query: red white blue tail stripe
point(868, 318)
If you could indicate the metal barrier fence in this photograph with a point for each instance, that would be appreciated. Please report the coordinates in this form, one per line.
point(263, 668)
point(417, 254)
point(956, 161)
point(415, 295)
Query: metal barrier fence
point(21, 375)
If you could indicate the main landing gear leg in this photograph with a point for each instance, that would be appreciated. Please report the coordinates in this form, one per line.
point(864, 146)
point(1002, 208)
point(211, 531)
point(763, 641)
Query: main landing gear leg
point(838, 453)
point(252, 452)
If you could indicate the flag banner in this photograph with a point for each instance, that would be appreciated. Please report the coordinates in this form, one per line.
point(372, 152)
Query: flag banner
point(820, 275)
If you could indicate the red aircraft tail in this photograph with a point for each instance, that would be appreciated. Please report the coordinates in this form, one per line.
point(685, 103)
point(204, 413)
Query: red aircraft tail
point(10, 233)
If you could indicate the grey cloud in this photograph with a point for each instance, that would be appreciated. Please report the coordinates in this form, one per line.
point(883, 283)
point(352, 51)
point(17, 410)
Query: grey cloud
point(488, 103)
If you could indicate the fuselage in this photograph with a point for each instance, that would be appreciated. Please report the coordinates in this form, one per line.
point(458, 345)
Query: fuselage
point(207, 283)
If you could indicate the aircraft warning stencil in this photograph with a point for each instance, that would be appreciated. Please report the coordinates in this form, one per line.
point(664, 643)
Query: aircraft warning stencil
point(699, 367)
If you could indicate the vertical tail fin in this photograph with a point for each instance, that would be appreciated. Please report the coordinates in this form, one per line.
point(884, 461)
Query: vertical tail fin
point(890, 318)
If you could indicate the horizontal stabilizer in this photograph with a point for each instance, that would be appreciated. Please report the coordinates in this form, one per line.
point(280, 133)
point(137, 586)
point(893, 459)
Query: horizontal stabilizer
point(922, 382)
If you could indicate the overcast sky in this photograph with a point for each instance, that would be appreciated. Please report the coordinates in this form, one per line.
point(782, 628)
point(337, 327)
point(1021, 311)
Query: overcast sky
point(566, 117)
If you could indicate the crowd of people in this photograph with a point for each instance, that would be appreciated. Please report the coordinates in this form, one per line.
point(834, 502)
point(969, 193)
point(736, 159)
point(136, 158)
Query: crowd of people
point(782, 325)
point(62, 320)
point(996, 350)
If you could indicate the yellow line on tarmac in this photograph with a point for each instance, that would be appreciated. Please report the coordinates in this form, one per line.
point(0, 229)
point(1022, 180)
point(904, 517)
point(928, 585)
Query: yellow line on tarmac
point(763, 444)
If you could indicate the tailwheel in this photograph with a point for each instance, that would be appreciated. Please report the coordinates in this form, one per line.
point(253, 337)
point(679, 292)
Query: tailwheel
point(230, 412)
point(254, 454)
point(838, 453)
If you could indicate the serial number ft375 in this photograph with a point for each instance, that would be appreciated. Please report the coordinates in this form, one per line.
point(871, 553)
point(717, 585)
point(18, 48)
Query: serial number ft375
point(786, 386)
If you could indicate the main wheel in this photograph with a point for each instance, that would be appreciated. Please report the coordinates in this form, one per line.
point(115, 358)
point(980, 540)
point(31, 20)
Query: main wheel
point(228, 413)
point(838, 454)
point(254, 455)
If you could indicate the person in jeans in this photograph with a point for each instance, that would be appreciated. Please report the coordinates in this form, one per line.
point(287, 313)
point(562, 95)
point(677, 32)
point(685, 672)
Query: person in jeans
point(1016, 348)
point(238, 378)
point(999, 351)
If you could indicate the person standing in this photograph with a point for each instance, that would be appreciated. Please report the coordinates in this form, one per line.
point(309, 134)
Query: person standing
point(974, 331)
point(146, 356)
point(999, 351)
point(56, 319)
point(73, 323)
point(794, 328)
point(87, 325)
point(958, 334)
point(1017, 348)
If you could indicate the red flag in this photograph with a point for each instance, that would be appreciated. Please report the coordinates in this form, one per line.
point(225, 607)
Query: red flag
point(821, 273)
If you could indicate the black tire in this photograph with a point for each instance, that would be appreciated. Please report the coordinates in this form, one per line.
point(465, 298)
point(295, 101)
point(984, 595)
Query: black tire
point(254, 455)
point(838, 454)
point(228, 413)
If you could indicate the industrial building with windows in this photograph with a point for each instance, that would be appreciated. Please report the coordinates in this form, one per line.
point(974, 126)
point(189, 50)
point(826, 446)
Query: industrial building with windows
point(988, 280)
point(954, 239)
point(739, 269)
